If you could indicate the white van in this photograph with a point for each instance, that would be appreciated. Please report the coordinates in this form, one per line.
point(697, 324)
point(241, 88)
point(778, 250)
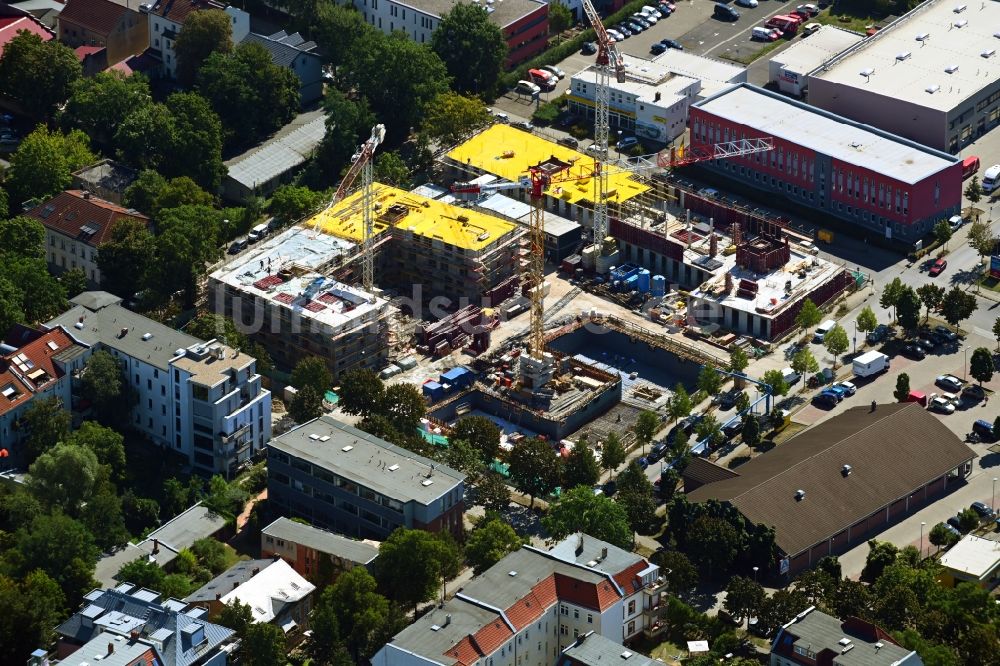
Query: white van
point(823, 329)
point(991, 179)
point(257, 233)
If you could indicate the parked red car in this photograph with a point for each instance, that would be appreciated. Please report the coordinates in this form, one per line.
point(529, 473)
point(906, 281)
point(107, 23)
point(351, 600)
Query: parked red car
point(938, 268)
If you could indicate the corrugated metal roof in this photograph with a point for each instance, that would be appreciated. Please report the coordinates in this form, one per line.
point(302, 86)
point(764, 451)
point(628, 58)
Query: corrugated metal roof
point(278, 155)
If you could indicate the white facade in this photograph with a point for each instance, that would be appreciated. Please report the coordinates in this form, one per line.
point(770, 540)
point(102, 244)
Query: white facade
point(163, 33)
point(65, 253)
point(389, 16)
point(789, 68)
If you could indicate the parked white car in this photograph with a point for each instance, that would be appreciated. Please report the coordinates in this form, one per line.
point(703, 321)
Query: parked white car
point(747, 3)
point(942, 405)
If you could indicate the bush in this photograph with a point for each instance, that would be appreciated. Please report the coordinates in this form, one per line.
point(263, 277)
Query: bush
point(580, 131)
point(547, 113)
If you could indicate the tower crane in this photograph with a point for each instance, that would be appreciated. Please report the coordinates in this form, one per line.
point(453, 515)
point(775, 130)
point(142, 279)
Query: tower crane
point(361, 162)
point(608, 59)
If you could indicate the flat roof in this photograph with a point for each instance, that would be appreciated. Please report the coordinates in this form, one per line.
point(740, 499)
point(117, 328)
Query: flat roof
point(359, 552)
point(864, 146)
point(372, 462)
point(593, 649)
point(701, 67)
point(305, 290)
point(513, 209)
point(669, 86)
point(974, 556)
point(291, 146)
point(805, 55)
point(508, 152)
point(955, 38)
point(210, 370)
point(501, 12)
point(420, 215)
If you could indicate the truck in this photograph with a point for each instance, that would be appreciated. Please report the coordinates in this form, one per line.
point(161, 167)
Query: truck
point(870, 364)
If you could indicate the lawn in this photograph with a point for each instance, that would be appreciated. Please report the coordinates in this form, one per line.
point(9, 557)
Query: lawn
point(745, 57)
point(853, 15)
point(991, 283)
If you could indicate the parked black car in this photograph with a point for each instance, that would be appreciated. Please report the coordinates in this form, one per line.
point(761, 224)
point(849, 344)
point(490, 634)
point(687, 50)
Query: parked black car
point(914, 351)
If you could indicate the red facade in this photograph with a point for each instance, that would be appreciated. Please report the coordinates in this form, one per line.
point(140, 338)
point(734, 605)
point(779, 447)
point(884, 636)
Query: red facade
point(853, 193)
point(527, 36)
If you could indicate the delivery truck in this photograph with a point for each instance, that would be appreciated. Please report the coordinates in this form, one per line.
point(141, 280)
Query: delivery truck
point(870, 364)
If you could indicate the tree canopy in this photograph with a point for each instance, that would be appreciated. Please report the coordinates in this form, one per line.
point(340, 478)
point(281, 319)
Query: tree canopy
point(42, 165)
point(580, 510)
point(472, 48)
point(38, 74)
point(535, 469)
point(581, 468)
point(489, 543)
point(412, 564)
point(99, 104)
point(204, 33)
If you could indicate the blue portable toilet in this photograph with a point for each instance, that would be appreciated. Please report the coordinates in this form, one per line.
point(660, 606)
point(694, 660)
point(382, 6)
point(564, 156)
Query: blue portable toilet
point(659, 285)
point(643, 282)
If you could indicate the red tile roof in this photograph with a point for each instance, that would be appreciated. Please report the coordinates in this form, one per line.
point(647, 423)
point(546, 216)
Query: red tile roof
point(492, 636)
point(578, 592)
point(178, 10)
point(97, 16)
point(11, 25)
point(30, 368)
point(83, 217)
point(465, 652)
point(83, 51)
point(628, 579)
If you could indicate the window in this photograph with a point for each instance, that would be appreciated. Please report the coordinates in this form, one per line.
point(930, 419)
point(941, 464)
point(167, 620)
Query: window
point(590, 618)
point(562, 629)
point(631, 607)
point(631, 628)
point(576, 613)
point(563, 609)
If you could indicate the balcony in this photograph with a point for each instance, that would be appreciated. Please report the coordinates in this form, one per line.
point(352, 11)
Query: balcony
point(235, 435)
point(654, 628)
point(658, 585)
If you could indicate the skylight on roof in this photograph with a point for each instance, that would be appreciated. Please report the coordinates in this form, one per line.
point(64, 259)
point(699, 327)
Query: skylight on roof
point(53, 345)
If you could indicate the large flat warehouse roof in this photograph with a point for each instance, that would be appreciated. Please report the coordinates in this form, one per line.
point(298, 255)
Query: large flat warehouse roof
point(917, 53)
point(771, 114)
point(461, 227)
point(806, 55)
point(486, 152)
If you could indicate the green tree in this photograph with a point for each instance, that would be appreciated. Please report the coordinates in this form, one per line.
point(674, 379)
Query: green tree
point(11, 311)
point(489, 543)
point(681, 575)
point(492, 492)
point(709, 429)
point(481, 433)
point(312, 372)
point(908, 308)
point(880, 555)
point(99, 104)
point(534, 468)
point(263, 644)
point(64, 477)
point(236, 616)
point(38, 74)
point(902, 392)
point(106, 444)
point(709, 380)
point(179, 191)
point(398, 94)
point(461, 455)
point(942, 232)
point(836, 342)
point(890, 296)
point(391, 169)
point(362, 393)
point(365, 618)
point(744, 598)
point(187, 242)
point(805, 363)
point(126, 256)
point(996, 331)
point(450, 117)
point(974, 191)
point(738, 359)
point(101, 384)
point(931, 296)
point(42, 165)
point(251, 94)
point(404, 406)
point(47, 423)
point(713, 543)
point(61, 547)
point(195, 148)
point(581, 468)
point(144, 190)
point(680, 403)
point(413, 564)
point(33, 607)
point(104, 518)
point(560, 18)
point(41, 295)
point(867, 321)
point(645, 428)
point(968, 520)
point(144, 139)
point(612, 453)
point(751, 430)
point(940, 536)
point(291, 203)
point(472, 48)
point(580, 510)
point(141, 513)
point(981, 237)
point(809, 315)
point(204, 33)
point(778, 608)
point(74, 282)
point(957, 305)
point(776, 380)
point(349, 121)
point(981, 365)
point(211, 554)
point(22, 238)
point(636, 496)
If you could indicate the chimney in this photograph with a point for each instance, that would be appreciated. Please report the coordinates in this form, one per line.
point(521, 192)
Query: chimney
point(256, 570)
point(604, 553)
point(236, 584)
point(218, 596)
point(111, 649)
point(447, 619)
point(86, 194)
point(156, 546)
point(133, 635)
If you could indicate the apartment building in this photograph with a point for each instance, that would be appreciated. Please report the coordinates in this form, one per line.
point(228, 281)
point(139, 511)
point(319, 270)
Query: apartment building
point(305, 547)
point(76, 224)
point(341, 478)
point(533, 604)
point(166, 19)
point(201, 399)
point(813, 637)
point(119, 29)
point(33, 364)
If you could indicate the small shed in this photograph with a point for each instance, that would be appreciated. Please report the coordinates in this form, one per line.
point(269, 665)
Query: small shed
point(433, 390)
point(458, 378)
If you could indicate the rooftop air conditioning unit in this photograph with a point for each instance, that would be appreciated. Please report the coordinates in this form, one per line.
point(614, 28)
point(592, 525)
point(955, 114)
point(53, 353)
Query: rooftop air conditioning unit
point(960, 9)
point(923, 36)
point(800, 495)
point(951, 69)
point(903, 56)
point(932, 88)
point(961, 23)
point(988, 53)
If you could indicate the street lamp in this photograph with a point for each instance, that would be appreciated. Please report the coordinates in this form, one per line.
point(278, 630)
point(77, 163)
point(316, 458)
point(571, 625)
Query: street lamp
point(855, 336)
point(993, 502)
point(922, 525)
point(756, 568)
point(965, 365)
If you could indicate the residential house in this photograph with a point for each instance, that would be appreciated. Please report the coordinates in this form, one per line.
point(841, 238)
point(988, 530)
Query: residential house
point(533, 604)
point(306, 547)
point(128, 613)
point(203, 400)
point(33, 364)
point(122, 31)
point(13, 20)
point(76, 224)
point(295, 53)
point(592, 649)
point(813, 637)
point(166, 18)
point(107, 179)
point(344, 479)
point(274, 592)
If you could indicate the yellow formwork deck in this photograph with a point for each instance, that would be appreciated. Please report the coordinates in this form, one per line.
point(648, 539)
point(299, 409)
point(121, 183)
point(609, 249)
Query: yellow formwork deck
point(507, 152)
point(459, 227)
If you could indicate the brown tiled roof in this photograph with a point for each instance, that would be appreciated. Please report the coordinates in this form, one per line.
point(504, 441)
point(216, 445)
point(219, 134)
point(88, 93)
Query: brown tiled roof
point(178, 10)
point(492, 636)
point(30, 368)
point(628, 579)
point(892, 451)
point(98, 16)
point(85, 219)
point(705, 471)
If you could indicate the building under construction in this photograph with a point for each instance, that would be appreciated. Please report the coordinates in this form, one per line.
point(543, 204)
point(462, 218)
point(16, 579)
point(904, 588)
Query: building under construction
point(440, 251)
point(279, 294)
